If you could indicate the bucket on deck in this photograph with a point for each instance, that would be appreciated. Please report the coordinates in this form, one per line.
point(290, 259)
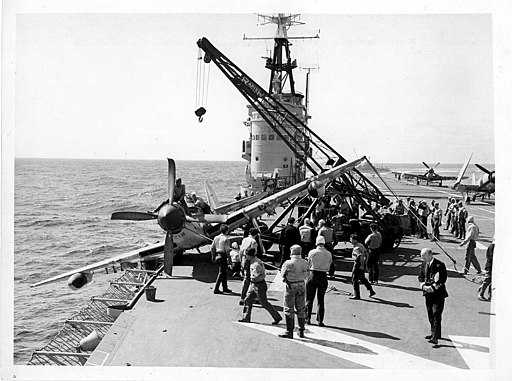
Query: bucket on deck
point(114, 311)
point(150, 293)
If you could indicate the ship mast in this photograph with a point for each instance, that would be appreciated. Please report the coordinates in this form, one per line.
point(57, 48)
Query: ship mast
point(281, 64)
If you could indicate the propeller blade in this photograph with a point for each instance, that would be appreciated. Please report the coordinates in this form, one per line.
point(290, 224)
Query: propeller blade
point(209, 218)
point(171, 178)
point(483, 169)
point(168, 253)
point(425, 164)
point(133, 216)
point(435, 166)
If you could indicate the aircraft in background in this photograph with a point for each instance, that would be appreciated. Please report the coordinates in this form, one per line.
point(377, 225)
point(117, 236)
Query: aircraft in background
point(184, 232)
point(429, 176)
point(485, 186)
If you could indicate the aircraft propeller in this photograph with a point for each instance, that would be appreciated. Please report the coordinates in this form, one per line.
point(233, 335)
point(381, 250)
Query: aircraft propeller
point(491, 174)
point(171, 217)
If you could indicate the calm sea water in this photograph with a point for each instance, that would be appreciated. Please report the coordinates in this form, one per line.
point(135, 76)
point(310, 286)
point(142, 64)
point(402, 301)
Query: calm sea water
point(62, 221)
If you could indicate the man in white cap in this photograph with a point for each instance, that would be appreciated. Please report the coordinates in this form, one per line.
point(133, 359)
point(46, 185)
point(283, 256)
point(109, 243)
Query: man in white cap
point(471, 236)
point(319, 261)
point(294, 272)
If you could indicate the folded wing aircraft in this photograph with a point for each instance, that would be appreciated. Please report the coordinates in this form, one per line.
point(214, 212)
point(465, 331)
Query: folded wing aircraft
point(187, 232)
point(485, 186)
point(429, 176)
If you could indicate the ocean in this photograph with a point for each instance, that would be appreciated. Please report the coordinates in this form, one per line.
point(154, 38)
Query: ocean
point(62, 211)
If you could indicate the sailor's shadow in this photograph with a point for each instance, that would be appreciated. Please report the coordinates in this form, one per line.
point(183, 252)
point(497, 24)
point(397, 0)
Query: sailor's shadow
point(387, 302)
point(378, 335)
point(351, 348)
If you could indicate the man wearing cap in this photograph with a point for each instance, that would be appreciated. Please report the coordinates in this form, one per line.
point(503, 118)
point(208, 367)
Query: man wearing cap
point(437, 216)
point(289, 236)
point(432, 278)
point(359, 257)
point(294, 272)
point(373, 242)
point(471, 236)
point(319, 261)
point(257, 289)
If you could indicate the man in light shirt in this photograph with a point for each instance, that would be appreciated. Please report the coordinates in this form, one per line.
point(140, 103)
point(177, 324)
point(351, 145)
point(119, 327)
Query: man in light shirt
point(294, 272)
point(257, 289)
point(471, 236)
point(319, 261)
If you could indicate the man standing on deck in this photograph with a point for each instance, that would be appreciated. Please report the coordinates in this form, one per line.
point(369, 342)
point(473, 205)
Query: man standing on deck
point(319, 261)
point(461, 220)
point(294, 272)
point(221, 246)
point(247, 243)
point(373, 242)
point(257, 289)
point(432, 278)
point(306, 235)
point(289, 236)
point(488, 274)
point(359, 257)
point(325, 230)
point(437, 215)
point(471, 236)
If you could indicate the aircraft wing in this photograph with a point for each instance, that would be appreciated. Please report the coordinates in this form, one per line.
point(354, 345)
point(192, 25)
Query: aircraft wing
point(269, 203)
point(228, 208)
point(410, 175)
point(131, 256)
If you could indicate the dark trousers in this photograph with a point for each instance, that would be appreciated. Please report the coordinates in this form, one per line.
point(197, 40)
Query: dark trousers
point(423, 227)
point(485, 284)
point(258, 291)
point(435, 307)
point(222, 277)
point(306, 248)
point(462, 229)
point(316, 284)
point(436, 225)
point(358, 276)
point(373, 265)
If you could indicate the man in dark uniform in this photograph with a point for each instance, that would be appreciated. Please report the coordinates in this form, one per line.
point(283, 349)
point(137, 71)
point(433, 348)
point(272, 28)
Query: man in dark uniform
point(432, 278)
point(290, 236)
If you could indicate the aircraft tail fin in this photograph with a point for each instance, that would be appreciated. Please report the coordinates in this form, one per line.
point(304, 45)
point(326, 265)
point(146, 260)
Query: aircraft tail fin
point(463, 171)
point(213, 201)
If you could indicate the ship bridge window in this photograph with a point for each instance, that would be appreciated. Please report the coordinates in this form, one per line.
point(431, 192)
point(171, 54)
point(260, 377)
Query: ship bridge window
point(263, 137)
point(271, 137)
point(256, 137)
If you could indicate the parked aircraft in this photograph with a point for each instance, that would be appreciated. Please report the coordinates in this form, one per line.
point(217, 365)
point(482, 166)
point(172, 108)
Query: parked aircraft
point(485, 186)
point(186, 232)
point(429, 176)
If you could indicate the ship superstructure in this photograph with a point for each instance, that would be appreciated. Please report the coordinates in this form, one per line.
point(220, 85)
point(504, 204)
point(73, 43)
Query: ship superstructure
point(271, 162)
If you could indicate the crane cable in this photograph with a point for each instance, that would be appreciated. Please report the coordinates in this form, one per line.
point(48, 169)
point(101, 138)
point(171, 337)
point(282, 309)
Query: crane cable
point(418, 220)
point(202, 85)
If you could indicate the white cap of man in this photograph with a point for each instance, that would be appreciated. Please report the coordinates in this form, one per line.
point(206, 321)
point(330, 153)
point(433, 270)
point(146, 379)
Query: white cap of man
point(320, 240)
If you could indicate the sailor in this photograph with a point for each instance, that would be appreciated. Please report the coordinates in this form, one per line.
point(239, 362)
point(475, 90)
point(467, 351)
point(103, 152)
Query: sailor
point(400, 208)
point(200, 204)
point(220, 249)
point(373, 242)
point(290, 236)
point(294, 272)
point(306, 235)
point(359, 256)
point(238, 196)
point(471, 237)
point(325, 230)
point(257, 289)
point(178, 196)
point(319, 261)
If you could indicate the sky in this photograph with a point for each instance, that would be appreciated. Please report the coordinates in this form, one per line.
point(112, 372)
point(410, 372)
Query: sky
point(394, 87)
